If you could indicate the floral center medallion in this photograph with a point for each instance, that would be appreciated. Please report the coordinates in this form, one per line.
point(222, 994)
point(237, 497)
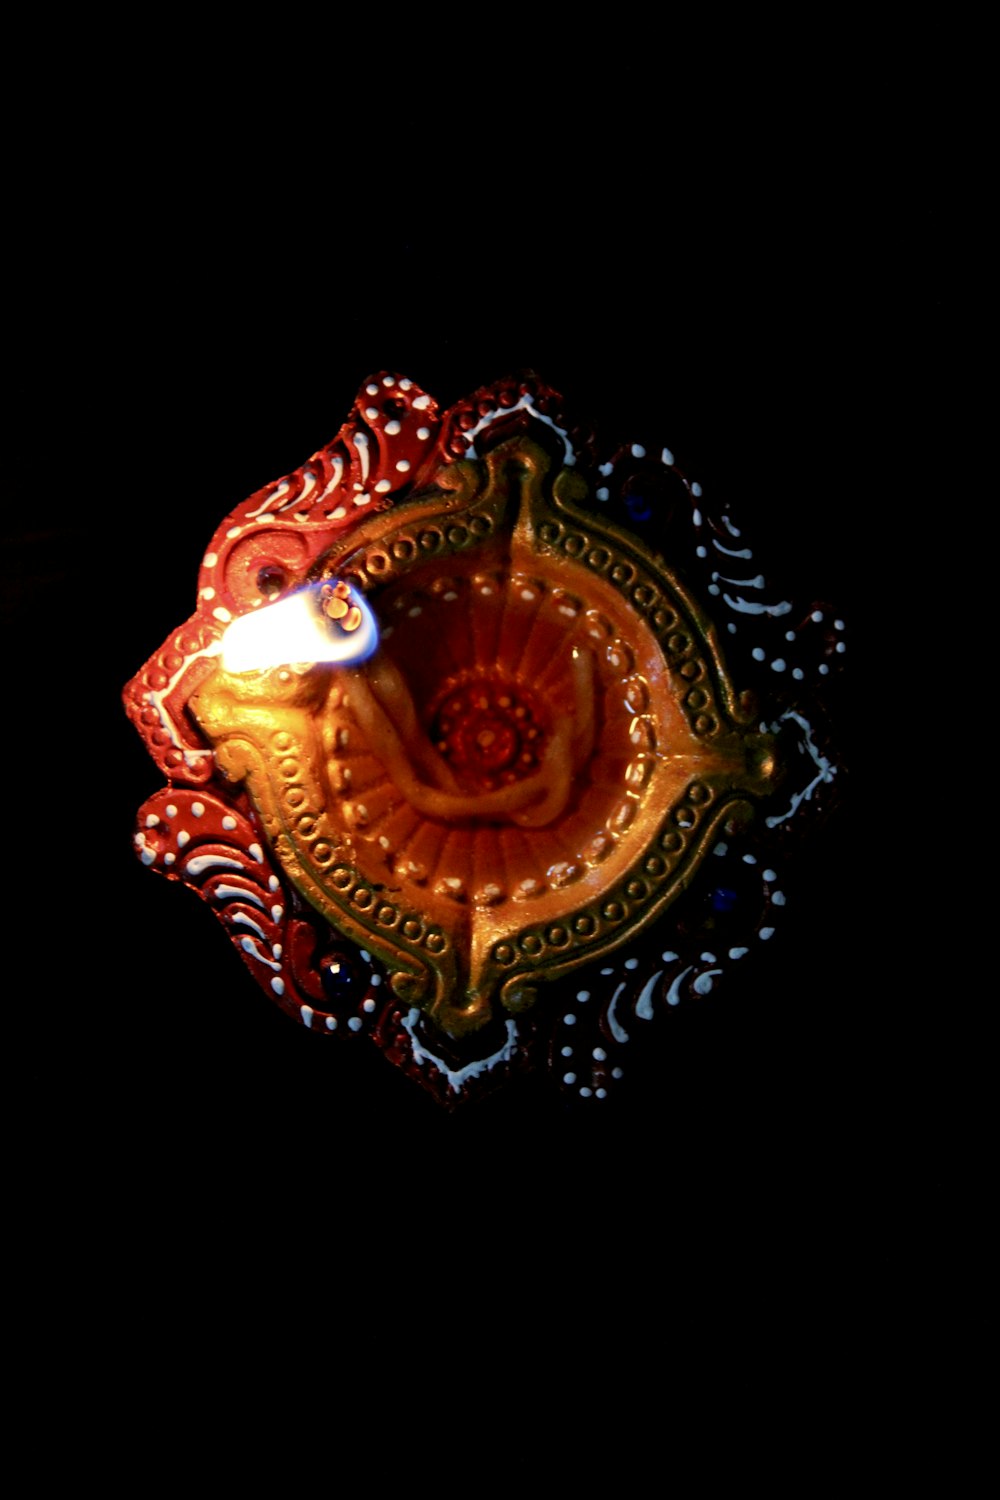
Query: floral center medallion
point(498, 742)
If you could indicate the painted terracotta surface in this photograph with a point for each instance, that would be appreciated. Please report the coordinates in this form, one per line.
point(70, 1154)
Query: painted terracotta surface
point(527, 771)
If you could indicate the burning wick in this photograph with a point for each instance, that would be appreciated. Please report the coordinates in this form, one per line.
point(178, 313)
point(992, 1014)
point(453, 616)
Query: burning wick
point(323, 622)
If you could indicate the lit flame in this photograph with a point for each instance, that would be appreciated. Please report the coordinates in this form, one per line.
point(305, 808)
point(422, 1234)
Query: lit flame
point(305, 627)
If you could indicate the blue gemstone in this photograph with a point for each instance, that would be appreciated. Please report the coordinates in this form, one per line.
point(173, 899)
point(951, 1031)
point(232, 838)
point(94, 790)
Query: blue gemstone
point(724, 898)
point(339, 980)
point(638, 507)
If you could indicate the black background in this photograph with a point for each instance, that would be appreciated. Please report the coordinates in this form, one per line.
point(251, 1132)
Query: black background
point(211, 341)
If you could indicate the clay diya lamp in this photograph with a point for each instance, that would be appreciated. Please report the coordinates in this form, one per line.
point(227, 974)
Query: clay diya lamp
point(446, 741)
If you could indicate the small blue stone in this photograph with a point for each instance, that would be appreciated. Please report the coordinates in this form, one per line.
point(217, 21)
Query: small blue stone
point(638, 507)
point(723, 898)
point(339, 979)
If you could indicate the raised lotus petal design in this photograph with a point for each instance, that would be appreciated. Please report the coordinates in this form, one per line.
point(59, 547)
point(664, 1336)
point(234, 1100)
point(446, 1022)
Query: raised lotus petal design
point(499, 742)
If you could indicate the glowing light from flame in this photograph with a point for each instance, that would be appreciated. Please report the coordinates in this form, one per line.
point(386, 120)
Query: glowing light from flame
point(296, 630)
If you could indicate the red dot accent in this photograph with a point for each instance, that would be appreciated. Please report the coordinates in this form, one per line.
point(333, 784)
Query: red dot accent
point(487, 729)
